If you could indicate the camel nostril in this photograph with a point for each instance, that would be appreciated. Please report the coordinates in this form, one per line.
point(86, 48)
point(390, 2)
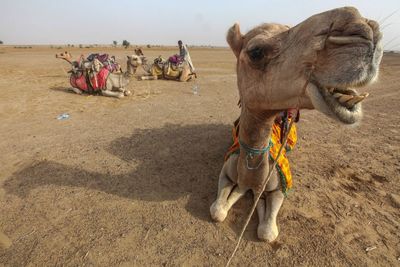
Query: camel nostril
point(373, 24)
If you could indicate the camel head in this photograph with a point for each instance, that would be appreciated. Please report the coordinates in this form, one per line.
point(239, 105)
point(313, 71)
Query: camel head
point(66, 56)
point(134, 60)
point(133, 63)
point(139, 52)
point(75, 66)
point(317, 64)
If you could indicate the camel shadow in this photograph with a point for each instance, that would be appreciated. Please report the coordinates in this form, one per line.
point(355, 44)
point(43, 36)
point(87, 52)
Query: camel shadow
point(62, 89)
point(170, 162)
point(68, 90)
point(54, 76)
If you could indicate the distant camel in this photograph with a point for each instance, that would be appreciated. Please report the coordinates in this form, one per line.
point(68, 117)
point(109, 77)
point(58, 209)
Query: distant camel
point(163, 69)
point(93, 76)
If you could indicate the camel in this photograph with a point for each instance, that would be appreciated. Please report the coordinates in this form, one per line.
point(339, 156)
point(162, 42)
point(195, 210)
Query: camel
point(314, 65)
point(109, 84)
point(162, 69)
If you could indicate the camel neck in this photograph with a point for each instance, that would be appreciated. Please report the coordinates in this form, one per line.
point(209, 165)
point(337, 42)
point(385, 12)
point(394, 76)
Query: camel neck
point(130, 70)
point(147, 67)
point(255, 127)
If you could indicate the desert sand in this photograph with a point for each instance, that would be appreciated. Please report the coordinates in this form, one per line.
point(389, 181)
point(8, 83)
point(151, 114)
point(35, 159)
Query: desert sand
point(129, 182)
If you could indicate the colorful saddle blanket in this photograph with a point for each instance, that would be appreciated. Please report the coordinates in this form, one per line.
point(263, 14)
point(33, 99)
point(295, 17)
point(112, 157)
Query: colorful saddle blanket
point(106, 60)
point(112, 67)
point(97, 81)
point(282, 165)
point(176, 59)
point(102, 58)
point(78, 82)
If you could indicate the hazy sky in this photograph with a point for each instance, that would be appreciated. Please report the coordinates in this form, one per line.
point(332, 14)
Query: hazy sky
point(201, 22)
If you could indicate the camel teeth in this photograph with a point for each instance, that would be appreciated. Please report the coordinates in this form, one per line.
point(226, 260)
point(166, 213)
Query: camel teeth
point(361, 98)
point(337, 95)
point(356, 99)
point(345, 98)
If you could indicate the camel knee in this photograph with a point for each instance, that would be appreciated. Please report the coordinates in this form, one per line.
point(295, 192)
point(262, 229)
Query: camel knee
point(218, 211)
point(112, 94)
point(124, 91)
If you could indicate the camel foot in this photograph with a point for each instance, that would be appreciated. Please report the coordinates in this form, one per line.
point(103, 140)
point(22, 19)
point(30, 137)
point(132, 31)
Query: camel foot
point(127, 93)
point(218, 212)
point(76, 91)
point(267, 231)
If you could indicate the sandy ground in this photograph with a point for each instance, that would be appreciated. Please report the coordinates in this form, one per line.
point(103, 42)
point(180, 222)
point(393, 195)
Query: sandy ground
point(129, 182)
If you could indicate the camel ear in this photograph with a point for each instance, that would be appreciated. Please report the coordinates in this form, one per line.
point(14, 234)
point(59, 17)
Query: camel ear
point(129, 57)
point(235, 39)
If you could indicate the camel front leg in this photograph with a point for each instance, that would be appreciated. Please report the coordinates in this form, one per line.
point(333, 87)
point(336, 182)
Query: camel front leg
point(228, 192)
point(108, 90)
point(76, 90)
point(267, 229)
point(261, 209)
point(148, 78)
point(219, 209)
point(113, 94)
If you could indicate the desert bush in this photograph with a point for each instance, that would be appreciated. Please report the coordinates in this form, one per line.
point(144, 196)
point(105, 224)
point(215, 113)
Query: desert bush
point(125, 44)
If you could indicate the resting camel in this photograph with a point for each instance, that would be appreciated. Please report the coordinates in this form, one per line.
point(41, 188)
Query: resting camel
point(109, 84)
point(314, 65)
point(161, 69)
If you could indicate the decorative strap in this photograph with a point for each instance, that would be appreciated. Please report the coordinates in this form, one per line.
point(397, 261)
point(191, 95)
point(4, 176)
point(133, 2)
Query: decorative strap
point(251, 152)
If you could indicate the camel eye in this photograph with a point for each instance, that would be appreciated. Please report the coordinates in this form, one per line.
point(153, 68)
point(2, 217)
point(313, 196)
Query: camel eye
point(256, 53)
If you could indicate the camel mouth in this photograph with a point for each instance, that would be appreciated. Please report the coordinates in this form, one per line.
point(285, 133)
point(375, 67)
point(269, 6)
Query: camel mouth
point(347, 98)
point(340, 102)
